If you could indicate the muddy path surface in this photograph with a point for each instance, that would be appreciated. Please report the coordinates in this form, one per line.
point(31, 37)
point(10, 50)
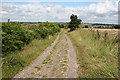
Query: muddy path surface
point(57, 61)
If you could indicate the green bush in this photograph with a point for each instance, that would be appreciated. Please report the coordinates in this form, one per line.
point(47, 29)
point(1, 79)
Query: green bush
point(61, 26)
point(45, 29)
point(15, 36)
point(116, 26)
point(86, 26)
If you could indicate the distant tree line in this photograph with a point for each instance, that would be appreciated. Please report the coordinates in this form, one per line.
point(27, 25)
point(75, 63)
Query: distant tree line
point(116, 26)
point(103, 24)
point(112, 27)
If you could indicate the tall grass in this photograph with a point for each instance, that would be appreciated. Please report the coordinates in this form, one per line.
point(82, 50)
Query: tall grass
point(97, 53)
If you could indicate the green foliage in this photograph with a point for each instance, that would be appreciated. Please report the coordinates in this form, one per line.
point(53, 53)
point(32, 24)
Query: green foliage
point(86, 26)
point(107, 27)
point(12, 63)
point(74, 23)
point(61, 26)
point(45, 29)
point(116, 26)
point(65, 26)
point(15, 36)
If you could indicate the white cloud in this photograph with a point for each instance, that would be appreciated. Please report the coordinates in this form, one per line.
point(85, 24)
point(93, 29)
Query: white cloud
point(3, 12)
point(55, 0)
point(105, 12)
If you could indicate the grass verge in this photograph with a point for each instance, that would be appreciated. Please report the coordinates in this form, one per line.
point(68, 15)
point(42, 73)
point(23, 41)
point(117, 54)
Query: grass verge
point(16, 61)
point(97, 53)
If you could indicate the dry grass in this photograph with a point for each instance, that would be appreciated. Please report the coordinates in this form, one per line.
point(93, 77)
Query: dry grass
point(110, 31)
point(97, 58)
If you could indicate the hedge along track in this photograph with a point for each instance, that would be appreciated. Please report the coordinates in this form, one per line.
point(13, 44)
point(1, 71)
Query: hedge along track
point(57, 61)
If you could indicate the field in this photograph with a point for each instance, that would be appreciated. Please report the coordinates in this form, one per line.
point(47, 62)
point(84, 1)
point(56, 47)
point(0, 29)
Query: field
point(110, 31)
point(97, 52)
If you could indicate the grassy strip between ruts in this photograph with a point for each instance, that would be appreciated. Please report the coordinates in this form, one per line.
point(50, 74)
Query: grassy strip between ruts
point(16, 61)
point(97, 58)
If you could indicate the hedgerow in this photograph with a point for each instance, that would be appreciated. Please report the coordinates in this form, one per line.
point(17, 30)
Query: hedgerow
point(45, 29)
point(15, 36)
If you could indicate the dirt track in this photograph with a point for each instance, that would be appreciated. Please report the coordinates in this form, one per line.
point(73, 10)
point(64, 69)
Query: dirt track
point(57, 61)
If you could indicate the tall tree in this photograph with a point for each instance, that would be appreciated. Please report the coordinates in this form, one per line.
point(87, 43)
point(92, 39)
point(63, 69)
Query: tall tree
point(74, 23)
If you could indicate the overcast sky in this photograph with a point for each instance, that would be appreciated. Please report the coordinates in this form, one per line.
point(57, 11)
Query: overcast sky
point(99, 11)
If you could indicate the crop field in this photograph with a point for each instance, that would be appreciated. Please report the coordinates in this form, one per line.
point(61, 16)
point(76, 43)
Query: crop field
point(110, 31)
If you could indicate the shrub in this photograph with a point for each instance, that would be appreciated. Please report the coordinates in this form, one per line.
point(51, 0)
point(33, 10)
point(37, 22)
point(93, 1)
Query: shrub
point(15, 36)
point(116, 26)
point(86, 26)
point(61, 26)
point(45, 29)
